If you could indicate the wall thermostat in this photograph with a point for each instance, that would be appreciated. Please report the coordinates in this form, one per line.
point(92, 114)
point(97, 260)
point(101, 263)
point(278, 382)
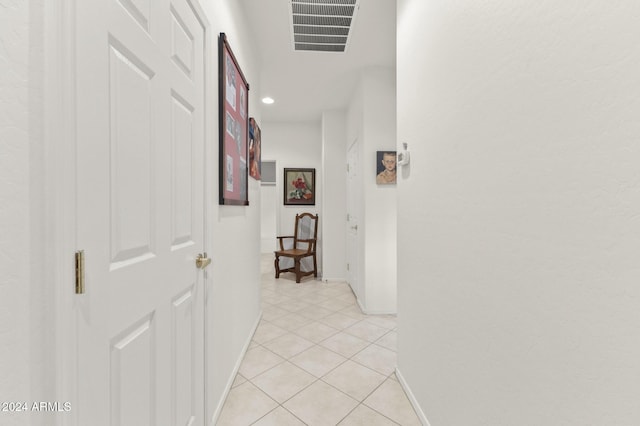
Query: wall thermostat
point(403, 156)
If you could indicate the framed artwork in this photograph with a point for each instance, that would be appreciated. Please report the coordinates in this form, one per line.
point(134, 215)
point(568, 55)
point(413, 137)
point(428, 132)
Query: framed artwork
point(300, 187)
point(255, 149)
point(234, 128)
point(385, 167)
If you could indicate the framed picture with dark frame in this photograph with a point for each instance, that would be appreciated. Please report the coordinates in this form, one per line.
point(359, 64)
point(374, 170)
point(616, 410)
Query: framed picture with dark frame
point(255, 149)
point(299, 187)
point(385, 167)
point(234, 128)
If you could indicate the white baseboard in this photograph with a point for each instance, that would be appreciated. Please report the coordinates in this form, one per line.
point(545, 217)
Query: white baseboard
point(364, 311)
point(342, 280)
point(374, 312)
point(382, 312)
point(227, 389)
point(412, 399)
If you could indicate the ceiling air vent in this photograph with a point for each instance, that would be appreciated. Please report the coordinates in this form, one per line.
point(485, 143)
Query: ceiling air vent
point(322, 25)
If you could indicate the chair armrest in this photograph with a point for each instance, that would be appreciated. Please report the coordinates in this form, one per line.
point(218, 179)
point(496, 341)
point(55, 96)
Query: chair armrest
point(280, 238)
point(311, 244)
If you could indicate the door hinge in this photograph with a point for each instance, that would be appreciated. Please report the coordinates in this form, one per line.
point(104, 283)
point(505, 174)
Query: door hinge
point(347, 266)
point(347, 167)
point(80, 272)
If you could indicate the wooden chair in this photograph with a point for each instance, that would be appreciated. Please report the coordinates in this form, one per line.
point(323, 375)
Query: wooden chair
point(304, 245)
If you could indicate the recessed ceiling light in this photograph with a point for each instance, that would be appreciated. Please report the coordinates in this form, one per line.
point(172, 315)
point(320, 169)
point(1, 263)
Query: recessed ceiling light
point(267, 100)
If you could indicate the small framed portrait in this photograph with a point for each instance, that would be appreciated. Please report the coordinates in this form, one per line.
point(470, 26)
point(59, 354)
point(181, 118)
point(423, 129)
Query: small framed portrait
point(255, 149)
point(300, 187)
point(386, 167)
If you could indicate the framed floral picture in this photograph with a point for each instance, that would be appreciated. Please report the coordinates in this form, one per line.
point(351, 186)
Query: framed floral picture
point(300, 187)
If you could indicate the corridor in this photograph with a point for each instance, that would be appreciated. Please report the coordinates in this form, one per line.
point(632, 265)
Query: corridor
point(315, 359)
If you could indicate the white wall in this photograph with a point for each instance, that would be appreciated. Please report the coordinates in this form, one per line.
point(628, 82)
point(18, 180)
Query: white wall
point(268, 219)
point(371, 120)
point(379, 200)
point(334, 154)
point(15, 209)
point(25, 310)
point(295, 145)
point(518, 216)
point(234, 231)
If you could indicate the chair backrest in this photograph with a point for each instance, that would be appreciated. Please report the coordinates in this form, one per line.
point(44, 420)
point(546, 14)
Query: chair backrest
point(306, 230)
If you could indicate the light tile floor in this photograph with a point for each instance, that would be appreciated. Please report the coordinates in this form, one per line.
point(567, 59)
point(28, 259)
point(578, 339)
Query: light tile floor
point(316, 359)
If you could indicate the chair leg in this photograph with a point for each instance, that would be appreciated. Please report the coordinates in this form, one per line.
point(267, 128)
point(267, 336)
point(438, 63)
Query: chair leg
point(297, 271)
point(315, 266)
point(276, 263)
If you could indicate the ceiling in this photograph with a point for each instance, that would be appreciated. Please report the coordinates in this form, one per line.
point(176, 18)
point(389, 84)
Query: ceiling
point(303, 83)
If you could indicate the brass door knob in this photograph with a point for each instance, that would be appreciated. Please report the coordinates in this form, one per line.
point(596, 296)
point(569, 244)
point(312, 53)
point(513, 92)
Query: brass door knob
point(202, 261)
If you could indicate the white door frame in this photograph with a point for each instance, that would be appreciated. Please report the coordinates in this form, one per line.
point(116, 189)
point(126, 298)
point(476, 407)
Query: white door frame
point(60, 196)
point(60, 142)
point(209, 47)
point(355, 277)
point(209, 104)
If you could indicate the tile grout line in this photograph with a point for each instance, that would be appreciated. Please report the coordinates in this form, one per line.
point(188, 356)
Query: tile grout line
point(330, 304)
point(317, 379)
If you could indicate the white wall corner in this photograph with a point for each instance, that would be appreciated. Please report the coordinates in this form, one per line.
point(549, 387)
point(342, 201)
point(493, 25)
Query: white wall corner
point(412, 398)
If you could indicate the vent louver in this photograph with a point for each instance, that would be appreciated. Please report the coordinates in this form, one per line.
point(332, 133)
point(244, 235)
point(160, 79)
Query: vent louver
point(322, 25)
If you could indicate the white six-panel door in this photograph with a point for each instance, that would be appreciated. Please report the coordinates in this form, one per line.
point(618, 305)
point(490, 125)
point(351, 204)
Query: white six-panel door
point(140, 145)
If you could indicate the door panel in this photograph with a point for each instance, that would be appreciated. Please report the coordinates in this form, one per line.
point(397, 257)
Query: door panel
point(182, 179)
point(182, 44)
point(183, 380)
point(140, 209)
point(132, 396)
point(130, 169)
point(139, 10)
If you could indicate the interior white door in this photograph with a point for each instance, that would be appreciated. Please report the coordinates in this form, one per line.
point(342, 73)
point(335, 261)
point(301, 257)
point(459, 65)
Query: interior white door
point(354, 204)
point(140, 176)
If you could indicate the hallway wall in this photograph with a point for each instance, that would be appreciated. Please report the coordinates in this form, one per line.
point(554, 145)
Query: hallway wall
point(518, 216)
point(334, 154)
point(268, 219)
point(26, 329)
point(380, 209)
point(371, 120)
point(297, 145)
point(14, 199)
point(234, 231)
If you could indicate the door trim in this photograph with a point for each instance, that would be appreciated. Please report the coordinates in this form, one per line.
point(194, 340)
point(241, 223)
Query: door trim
point(207, 131)
point(59, 197)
